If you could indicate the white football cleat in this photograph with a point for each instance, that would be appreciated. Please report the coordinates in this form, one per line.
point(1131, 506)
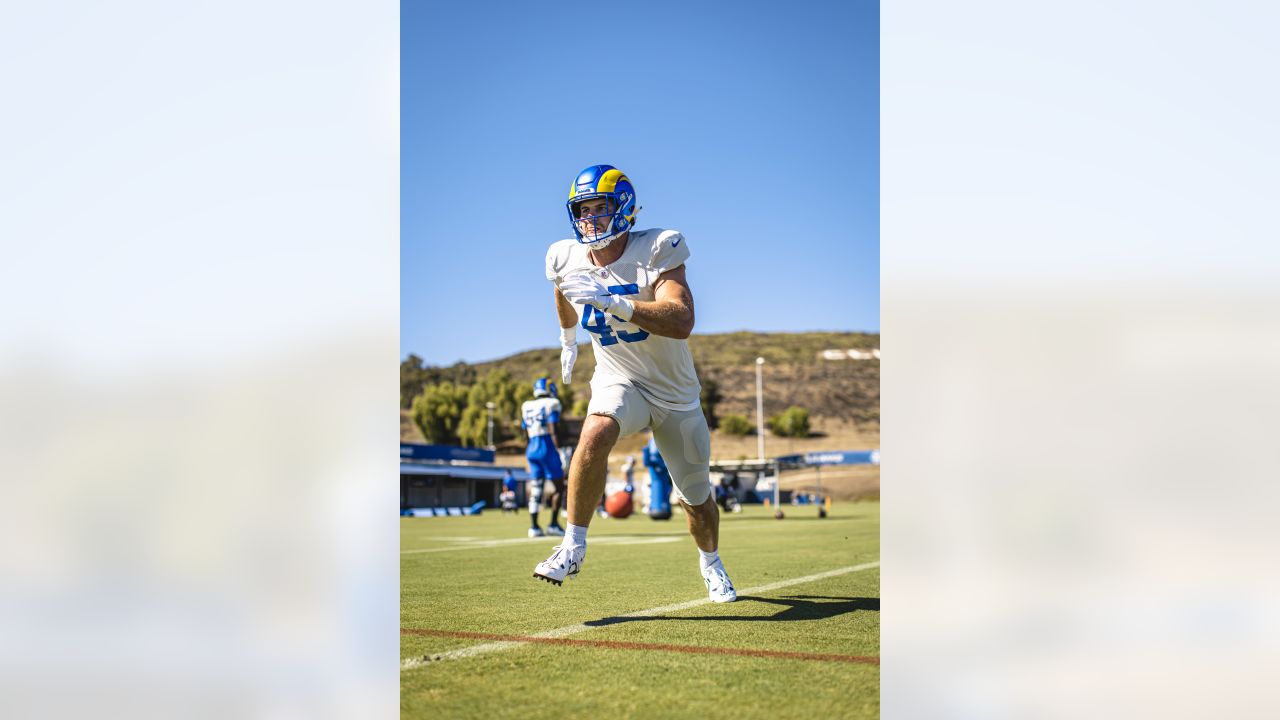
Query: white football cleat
point(719, 587)
point(564, 563)
point(555, 530)
point(536, 532)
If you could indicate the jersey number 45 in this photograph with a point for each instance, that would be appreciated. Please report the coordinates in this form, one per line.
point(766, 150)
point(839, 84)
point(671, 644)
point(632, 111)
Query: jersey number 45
point(595, 321)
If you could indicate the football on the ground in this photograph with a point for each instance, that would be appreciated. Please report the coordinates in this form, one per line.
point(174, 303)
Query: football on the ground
point(618, 505)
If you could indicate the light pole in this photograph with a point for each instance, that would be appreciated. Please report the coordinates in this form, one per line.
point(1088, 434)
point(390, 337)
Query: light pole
point(760, 407)
point(490, 406)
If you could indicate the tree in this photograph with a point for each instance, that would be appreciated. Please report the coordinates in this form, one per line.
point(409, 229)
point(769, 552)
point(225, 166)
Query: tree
point(736, 425)
point(567, 397)
point(498, 388)
point(412, 379)
point(793, 422)
point(473, 427)
point(709, 398)
point(437, 412)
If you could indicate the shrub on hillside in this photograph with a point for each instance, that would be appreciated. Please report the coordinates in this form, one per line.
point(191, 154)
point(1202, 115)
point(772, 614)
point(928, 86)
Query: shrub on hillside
point(437, 411)
point(736, 425)
point(710, 397)
point(793, 422)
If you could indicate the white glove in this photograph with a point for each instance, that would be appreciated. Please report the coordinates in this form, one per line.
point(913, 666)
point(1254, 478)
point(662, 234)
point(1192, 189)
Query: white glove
point(568, 352)
point(586, 289)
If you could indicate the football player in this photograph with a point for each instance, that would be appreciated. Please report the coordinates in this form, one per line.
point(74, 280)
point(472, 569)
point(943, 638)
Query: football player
point(628, 290)
point(538, 417)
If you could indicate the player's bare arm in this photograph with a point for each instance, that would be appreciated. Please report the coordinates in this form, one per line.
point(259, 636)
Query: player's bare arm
point(670, 314)
point(564, 310)
point(568, 336)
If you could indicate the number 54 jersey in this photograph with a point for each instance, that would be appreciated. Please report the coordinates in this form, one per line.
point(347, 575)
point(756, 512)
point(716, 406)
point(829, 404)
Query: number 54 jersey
point(661, 368)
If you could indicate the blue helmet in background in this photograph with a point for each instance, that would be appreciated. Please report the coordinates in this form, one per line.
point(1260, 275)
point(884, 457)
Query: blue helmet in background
point(540, 389)
point(554, 394)
point(608, 182)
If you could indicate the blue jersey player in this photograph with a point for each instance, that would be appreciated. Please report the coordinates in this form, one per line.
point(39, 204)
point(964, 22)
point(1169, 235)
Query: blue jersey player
point(538, 417)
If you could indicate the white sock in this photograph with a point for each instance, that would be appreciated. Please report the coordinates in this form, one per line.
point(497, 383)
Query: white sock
point(576, 535)
point(709, 558)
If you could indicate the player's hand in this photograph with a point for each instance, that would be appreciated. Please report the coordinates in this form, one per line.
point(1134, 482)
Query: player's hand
point(568, 352)
point(587, 289)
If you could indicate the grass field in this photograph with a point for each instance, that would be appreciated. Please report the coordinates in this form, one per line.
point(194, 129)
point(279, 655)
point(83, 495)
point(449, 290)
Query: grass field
point(609, 642)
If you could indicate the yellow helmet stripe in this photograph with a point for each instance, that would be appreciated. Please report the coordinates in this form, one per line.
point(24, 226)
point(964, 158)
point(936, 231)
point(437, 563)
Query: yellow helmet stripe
point(609, 181)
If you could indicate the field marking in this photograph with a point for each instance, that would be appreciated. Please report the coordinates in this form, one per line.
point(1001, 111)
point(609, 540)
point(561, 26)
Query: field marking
point(603, 540)
point(473, 650)
point(627, 645)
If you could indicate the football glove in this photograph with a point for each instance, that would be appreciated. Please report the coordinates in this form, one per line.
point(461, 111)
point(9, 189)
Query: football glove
point(568, 352)
point(586, 289)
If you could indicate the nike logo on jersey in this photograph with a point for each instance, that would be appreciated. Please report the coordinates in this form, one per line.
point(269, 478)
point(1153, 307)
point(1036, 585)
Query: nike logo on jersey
point(676, 242)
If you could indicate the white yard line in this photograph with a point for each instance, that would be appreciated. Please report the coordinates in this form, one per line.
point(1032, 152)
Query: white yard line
point(473, 650)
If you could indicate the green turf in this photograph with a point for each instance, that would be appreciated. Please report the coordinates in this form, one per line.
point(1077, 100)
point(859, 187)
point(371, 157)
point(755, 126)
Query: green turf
point(490, 590)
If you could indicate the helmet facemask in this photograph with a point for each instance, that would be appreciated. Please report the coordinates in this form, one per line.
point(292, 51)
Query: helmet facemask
point(599, 231)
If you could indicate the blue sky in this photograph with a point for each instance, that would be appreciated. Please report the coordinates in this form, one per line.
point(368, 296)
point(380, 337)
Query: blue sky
point(753, 128)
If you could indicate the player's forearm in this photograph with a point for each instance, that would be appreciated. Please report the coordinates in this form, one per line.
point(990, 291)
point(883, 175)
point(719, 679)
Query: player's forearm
point(667, 318)
point(564, 311)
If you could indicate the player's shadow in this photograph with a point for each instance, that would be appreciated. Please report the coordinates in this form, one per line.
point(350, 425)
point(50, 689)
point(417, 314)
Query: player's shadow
point(797, 607)
point(793, 513)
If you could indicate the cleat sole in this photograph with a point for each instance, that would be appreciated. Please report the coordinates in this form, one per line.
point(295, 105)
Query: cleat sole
point(557, 583)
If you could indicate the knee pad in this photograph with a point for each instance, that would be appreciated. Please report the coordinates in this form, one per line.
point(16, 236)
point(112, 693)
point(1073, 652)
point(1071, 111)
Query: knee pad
point(535, 496)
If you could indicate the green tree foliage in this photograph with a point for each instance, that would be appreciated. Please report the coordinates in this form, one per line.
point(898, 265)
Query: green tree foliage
point(793, 422)
point(580, 407)
point(507, 395)
point(415, 377)
point(437, 412)
point(473, 428)
point(455, 413)
point(567, 396)
point(736, 425)
point(710, 398)
point(412, 380)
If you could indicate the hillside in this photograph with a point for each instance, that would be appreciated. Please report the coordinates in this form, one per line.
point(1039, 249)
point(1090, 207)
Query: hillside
point(839, 390)
point(842, 396)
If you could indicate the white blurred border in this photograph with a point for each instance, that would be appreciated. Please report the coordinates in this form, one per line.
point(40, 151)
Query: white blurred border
point(199, 218)
point(1079, 264)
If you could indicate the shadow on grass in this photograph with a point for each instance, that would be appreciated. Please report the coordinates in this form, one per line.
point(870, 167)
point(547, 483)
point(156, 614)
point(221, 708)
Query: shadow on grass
point(792, 513)
point(797, 607)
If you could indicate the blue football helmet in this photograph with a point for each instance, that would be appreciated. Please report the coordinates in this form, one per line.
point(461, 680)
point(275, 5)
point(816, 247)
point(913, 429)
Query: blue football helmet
point(554, 394)
point(608, 182)
point(540, 388)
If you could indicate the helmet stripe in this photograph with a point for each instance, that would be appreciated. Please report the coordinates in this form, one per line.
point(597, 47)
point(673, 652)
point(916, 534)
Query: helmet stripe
point(609, 181)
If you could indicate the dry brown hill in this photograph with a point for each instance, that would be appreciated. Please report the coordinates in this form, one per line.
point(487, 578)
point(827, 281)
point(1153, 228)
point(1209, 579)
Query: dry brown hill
point(842, 396)
point(841, 390)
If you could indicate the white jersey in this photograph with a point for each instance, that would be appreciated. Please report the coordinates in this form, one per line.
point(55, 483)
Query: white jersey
point(536, 413)
point(661, 368)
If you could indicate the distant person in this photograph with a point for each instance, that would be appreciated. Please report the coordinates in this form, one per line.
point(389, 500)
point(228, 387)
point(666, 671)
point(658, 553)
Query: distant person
point(538, 417)
point(629, 471)
point(508, 496)
point(629, 291)
point(659, 507)
point(726, 493)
